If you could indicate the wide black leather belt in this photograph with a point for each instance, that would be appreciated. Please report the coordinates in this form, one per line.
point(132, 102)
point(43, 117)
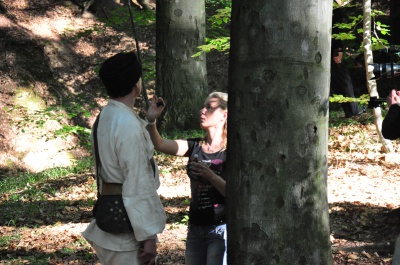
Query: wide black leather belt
point(111, 188)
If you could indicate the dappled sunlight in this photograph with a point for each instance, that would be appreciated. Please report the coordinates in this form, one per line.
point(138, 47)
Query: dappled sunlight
point(41, 27)
point(48, 240)
point(361, 182)
point(4, 22)
point(40, 160)
point(55, 53)
point(48, 218)
point(36, 146)
point(359, 170)
point(85, 49)
point(27, 99)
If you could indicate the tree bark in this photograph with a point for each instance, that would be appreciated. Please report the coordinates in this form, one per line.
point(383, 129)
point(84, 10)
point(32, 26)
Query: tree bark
point(371, 83)
point(277, 132)
point(180, 78)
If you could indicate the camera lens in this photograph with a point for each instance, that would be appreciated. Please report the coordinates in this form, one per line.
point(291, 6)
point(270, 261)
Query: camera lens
point(386, 70)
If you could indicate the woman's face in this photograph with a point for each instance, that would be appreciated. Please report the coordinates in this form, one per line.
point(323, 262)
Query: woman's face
point(211, 115)
point(338, 59)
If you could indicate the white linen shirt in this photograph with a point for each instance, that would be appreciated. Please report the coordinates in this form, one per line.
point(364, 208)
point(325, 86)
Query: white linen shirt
point(125, 150)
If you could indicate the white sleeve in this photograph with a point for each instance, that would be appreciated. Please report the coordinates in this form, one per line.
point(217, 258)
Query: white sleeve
point(139, 191)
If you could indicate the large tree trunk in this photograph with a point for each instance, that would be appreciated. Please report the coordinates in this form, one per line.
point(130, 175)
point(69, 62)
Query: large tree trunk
point(181, 79)
point(277, 134)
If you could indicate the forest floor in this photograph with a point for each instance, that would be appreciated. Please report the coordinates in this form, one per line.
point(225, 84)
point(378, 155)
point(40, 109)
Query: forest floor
point(48, 56)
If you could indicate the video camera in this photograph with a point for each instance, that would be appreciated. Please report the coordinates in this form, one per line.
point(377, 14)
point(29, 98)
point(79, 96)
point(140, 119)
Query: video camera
point(387, 70)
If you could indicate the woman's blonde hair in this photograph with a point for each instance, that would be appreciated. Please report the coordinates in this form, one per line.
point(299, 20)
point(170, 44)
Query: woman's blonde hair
point(223, 104)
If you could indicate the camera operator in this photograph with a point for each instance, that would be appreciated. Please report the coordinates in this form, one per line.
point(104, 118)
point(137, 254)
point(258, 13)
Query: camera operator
point(391, 123)
point(341, 82)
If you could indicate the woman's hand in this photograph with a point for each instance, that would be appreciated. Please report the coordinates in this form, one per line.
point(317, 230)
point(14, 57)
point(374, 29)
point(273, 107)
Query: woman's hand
point(156, 107)
point(393, 98)
point(202, 171)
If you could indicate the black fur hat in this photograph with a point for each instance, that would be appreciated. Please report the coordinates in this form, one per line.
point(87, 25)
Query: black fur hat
point(337, 45)
point(120, 73)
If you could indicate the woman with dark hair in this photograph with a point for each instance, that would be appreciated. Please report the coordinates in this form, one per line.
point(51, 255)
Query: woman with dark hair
point(206, 239)
point(125, 167)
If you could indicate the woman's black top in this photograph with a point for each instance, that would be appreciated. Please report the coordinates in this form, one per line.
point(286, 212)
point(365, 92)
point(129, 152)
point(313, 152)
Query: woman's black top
point(207, 206)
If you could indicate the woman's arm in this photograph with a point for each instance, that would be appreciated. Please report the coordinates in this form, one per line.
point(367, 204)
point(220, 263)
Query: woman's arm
point(203, 171)
point(391, 123)
point(171, 147)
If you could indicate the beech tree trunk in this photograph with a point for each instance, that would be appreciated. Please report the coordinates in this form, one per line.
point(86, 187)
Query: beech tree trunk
point(278, 132)
point(181, 79)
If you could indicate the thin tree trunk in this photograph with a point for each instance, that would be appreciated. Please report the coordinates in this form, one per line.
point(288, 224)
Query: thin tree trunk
point(371, 83)
point(278, 132)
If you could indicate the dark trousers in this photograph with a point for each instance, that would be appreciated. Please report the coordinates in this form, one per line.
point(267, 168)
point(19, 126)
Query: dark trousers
point(341, 84)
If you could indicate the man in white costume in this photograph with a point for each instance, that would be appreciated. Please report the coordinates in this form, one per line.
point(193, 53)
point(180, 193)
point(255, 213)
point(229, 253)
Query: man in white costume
point(126, 155)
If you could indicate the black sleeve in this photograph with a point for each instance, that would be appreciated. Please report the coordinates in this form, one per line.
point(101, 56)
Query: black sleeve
point(391, 123)
point(192, 144)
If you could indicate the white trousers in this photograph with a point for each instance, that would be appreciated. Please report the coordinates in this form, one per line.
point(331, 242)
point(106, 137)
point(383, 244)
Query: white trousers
point(110, 257)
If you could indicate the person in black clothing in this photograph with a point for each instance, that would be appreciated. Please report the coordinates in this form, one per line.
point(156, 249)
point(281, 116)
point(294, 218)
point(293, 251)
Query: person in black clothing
point(391, 131)
point(341, 83)
point(206, 238)
point(391, 123)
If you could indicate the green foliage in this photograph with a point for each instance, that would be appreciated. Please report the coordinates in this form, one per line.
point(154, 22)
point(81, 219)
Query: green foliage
point(218, 2)
point(72, 34)
point(149, 67)
point(144, 17)
point(185, 219)
point(219, 39)
point(353, 22)
point(175, 135)
point(352, 29)
point(362, 100)
point(27, 196)
point(337, 120)
point(219, 20)
point(183, 134)
point(220, 44)
point(26, 180)
point(379, 43)
point(71, 108)
point(6, 240)
point(120, 17)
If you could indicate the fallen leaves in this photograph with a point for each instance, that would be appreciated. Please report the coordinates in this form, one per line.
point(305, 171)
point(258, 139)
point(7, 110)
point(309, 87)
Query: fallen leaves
point(363, 188)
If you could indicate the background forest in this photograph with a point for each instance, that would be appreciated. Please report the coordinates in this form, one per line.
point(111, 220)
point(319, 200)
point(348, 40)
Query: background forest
point(50, 52)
